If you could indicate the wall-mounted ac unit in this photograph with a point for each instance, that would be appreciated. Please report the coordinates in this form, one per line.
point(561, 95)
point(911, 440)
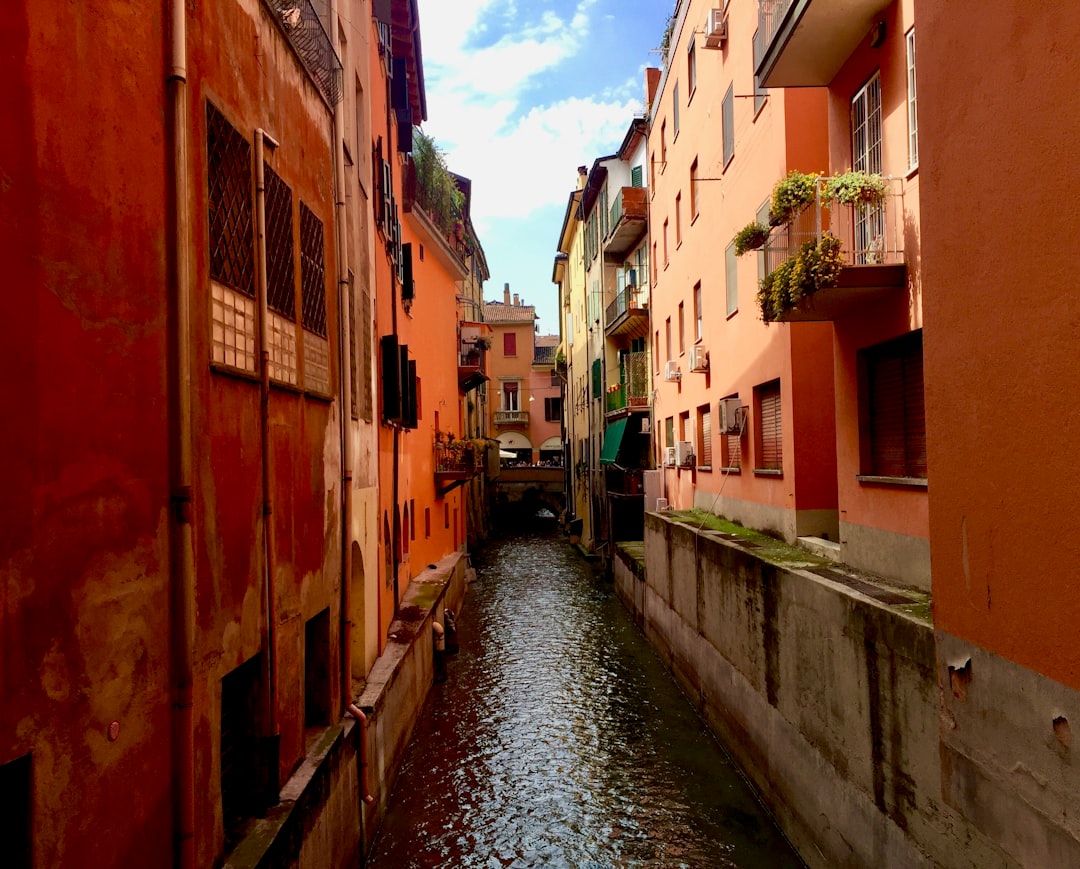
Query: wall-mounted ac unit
point(669, 457)
point(716, 28)
point(699, 358)
point(684, 454)
point(671, 370)
point(646, 425)
point(731, 416)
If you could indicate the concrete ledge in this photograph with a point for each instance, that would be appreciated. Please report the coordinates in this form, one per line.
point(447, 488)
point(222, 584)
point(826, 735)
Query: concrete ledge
point(829, 549)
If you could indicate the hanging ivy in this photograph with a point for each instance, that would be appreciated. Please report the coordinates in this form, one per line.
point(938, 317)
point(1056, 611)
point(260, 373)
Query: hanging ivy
point(814, 266)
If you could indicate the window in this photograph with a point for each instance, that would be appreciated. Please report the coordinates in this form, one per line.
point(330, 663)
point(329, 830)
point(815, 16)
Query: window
point(760, 94)
point(655, 261)
point(509, 344)
point(280, 279)
point(682, 329)
point(694, 204)
point(894, 440)
point(317, 670)
point(678, 219)
point(731, 263)
point(366, 403)
point(912, 113)
point(663, 146)
point(636, 176)
point(446, 515)
point(684, 424)
point(727, 114)
point(354, 361)
point(697, 312)
point(691, 69)
point(652, 170)
point(866, 157)
point(241, 767)
point(704, 437)
point(675, 111)
point(769, 441)
point(313, 302)
point(16, 830)
point(552, 409)
point(412, 518)
point(667, 337)
point(669, 431)
point(665, 243)
point(763, 219)
point(656, 350)
point(231, 232)
point(427, 522)
point(510, 395)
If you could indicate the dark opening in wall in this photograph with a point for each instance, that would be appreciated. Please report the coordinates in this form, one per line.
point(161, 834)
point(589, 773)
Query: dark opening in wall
point(317, 670)
point(15, 813)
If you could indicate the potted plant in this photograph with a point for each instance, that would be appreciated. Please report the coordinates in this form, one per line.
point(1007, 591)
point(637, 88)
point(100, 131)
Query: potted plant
point(750, 237)
point(815, 266)
point(856, 188)
point(791, 195)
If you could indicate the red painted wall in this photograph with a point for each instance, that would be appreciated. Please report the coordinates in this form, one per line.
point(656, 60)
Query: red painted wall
point(998, 142)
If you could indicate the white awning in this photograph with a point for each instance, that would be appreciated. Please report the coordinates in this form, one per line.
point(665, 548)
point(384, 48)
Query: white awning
point(552, 443)
point(514, 440)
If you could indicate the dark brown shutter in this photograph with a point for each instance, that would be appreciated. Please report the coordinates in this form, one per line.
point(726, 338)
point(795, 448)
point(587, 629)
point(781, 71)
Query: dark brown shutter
point(391, 377)
point(706, 439)
point(897, 413)
point(772, 432)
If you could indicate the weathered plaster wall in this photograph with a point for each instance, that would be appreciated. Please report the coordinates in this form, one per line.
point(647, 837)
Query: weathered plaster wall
point(828, 700)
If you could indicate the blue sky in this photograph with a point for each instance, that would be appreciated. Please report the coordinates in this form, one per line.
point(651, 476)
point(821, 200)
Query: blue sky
point(519, 95)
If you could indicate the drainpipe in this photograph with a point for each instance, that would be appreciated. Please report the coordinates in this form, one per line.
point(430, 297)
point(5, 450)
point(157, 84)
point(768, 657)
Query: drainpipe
point(345, 303)
point(263, 139)
point(359, 715)
point(181, 543)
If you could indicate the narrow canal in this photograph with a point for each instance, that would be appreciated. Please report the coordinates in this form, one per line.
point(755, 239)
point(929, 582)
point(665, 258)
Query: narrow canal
point(559, 740)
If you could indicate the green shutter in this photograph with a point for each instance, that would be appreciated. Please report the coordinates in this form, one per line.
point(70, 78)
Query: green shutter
point(597, 381)
point(636, 176)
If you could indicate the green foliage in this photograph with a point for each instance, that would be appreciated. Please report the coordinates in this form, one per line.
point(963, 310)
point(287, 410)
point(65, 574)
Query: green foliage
point(813, 267)
point(750, 237)
point(856, 188)
point(791, 195)
point(436, 191)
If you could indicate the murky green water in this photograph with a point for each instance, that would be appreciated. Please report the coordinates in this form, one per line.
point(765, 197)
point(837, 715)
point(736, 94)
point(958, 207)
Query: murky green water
point(559, 740)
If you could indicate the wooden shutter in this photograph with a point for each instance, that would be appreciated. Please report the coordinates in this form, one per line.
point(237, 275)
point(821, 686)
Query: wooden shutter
point(509, 344)
point(897, 414)
point(771, 432)
point(636, 176)
point(705, 459)
point(597, 380)
point(391, 378)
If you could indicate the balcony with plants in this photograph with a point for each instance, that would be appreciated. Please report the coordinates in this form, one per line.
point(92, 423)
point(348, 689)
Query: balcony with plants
point(628, 221)
point(433, 190)
point(805, 42)
point(456, 461)
point(628, 311)
point(631, 392)
point(473, 345)
point(833, 244)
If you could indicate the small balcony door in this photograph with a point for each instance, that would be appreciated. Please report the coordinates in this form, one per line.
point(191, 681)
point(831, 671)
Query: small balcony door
point(866, 157)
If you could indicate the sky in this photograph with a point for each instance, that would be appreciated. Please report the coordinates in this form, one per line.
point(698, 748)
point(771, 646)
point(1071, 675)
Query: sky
point(519, 94)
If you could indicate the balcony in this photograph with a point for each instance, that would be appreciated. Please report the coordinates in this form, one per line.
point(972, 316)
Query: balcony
point(632, 391)
point(871, 247)
point(628, 312)
point(805, 42)
point(456, 463)
point(511, 417)
point(629, 221)
point(305, 32)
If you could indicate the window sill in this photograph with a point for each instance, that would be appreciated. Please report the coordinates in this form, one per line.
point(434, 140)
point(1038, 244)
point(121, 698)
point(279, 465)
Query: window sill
point(768, 472)
point(732, 313)
point(707, 468)
point(912, 172)
point(318, 396)
point(760, 108)
point(693, 219)
point(731, 471)
point(232, 371)
point(285, 386)
point(874, 480)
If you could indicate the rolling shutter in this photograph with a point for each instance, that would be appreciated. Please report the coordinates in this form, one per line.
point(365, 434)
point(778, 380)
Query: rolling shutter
point(770, 429)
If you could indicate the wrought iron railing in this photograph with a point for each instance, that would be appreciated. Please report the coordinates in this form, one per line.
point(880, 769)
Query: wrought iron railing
point(305, 31)
point(869, 234)
point(770, 16)
point(632, 390)
point(510, 417)
point(455, 458)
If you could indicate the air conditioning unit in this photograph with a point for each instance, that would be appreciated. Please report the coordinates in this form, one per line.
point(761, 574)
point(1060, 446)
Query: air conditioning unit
point(671, 370)
point(661, 503)
point(684, 454)
point(646, 425)
point(669, 457)
point(731, 416)
point(716, 28)
point(699, 358)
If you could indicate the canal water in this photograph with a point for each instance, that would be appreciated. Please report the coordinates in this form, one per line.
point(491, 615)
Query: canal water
point(559, 740)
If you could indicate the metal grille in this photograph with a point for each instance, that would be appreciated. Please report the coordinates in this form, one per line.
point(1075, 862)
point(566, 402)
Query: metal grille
point(312, 272)
point(306, 33)
point(228, 170)
point(866, 157)
point(280, 282)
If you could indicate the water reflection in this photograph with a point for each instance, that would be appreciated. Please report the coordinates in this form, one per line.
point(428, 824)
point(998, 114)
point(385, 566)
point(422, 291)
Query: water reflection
point(560, 740)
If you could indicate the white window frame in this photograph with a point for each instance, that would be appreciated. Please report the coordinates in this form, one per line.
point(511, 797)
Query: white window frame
point(912, 103)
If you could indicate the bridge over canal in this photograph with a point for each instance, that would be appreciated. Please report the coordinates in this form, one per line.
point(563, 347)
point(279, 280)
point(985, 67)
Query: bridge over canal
point(529, 489)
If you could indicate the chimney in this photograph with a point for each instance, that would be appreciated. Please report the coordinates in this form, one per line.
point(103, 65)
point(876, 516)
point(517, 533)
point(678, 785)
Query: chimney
point(506, 293)
point(515, 300)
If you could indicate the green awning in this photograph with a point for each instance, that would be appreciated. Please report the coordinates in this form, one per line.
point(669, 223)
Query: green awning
point(612, 438)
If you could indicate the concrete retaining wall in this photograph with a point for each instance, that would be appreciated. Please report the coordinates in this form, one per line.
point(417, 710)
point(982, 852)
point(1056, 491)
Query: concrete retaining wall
point(827, 699)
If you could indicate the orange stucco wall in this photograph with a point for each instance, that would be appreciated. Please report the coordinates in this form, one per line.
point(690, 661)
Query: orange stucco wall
point(998, 142)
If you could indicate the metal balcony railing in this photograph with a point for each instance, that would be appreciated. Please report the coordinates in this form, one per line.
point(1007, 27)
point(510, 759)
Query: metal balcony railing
point(511, 417)
point(304, 30)
point(629, 297)
point(770, 16)
point(632, 389)
point(869, 235)
point(455, 459)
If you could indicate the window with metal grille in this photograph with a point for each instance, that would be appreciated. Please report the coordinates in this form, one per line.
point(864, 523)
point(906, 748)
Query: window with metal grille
point(229, 203)
point(770, 432)
point(704, 437)
point(552, 409)
point(240, 762)
point(312, 272)
point(727, 114)
point(16, 821)
point(280, 278)
point(866, 157)
point(509, 344)
point(895, 436)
